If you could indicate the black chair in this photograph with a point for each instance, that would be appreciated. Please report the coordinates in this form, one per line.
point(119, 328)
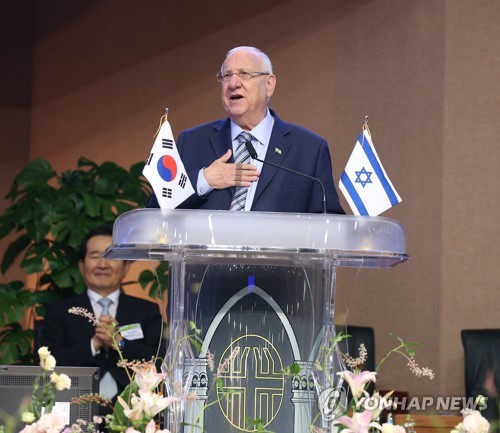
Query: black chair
point(482, 355)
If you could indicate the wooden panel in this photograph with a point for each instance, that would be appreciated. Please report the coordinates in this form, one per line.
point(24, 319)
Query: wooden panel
point(430, 423)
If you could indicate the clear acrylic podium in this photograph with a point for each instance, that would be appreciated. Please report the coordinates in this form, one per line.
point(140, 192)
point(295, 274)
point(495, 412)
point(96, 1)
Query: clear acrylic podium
point(259, 286)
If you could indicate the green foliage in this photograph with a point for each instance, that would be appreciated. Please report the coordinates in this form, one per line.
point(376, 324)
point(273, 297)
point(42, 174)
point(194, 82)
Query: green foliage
point(256, 425)
point(48, 216)
point(404, 348)
point(156, 281)
point(15, 344)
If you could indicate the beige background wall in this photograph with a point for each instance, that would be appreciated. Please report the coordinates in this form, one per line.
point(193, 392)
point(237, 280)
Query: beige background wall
point(16, 36)
point(426, 72)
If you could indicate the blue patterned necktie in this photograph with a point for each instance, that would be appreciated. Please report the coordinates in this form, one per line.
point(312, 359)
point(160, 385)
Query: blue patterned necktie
point(105, 304)
point(108, 387)
point(241, 157)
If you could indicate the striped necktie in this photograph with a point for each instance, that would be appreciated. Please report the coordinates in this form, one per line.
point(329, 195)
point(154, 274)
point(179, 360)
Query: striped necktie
point(241, 157)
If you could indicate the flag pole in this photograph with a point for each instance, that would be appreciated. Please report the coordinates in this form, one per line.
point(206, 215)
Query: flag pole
point(163, 119)
point(366, 128)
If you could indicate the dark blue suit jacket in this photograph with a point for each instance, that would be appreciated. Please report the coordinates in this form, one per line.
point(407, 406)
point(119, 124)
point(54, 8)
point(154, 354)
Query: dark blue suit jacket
point(290, 146)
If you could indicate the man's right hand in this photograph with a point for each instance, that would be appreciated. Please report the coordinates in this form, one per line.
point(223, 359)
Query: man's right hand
point(105, 329)
point(222, 174)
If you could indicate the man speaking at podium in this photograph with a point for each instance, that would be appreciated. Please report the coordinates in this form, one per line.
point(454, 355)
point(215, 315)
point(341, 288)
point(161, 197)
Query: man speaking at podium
point(217, 155)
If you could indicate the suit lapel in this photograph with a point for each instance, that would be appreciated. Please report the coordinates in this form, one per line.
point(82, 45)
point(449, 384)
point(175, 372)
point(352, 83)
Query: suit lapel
point(122, 310)
point(279, 145)
point(127, 311)
point(220, 140)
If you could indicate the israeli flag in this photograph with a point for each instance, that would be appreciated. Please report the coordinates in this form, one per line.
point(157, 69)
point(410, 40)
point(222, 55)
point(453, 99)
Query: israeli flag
point(165, 171)
point(364, 181)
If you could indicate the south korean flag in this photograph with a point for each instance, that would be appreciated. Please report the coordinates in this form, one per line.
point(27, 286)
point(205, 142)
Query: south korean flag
point(165, 171)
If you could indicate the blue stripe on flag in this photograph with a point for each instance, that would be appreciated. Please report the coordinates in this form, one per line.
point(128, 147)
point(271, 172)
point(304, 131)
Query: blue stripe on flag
point(365, 144)
point(353, 194)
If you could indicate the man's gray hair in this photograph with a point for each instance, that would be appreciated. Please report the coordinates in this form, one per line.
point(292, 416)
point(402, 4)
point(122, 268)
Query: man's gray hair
point(265, 58)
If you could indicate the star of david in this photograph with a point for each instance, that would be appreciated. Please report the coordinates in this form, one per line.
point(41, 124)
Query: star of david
point(367, 176)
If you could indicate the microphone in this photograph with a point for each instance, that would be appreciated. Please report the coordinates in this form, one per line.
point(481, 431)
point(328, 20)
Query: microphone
point(253, 155)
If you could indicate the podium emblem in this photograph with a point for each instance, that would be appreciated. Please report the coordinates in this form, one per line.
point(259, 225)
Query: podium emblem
point(251, 371)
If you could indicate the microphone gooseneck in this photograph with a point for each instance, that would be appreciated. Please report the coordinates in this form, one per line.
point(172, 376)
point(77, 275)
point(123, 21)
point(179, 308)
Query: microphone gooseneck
point(253, 155)
point(251, 150)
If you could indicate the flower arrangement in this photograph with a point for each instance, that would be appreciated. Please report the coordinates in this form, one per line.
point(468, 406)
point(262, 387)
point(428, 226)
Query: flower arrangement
point(135, 412)
point(138, 408)
point(38, 416)
point(362, 413)
point(139, 405)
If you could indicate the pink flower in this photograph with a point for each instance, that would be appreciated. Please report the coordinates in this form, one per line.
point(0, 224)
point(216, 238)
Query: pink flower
point(147, 404)
point(147, 377)
point(154, 403)
point(151, 428)
point(357, 382)
point(360, 422)
point(80, 311)
point(51, 423)
point(135, 410)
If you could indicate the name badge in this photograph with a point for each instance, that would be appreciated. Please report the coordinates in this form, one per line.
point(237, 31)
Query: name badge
point(132, 331)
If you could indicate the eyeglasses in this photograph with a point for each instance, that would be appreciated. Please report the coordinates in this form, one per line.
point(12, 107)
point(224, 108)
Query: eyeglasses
point(243, 75)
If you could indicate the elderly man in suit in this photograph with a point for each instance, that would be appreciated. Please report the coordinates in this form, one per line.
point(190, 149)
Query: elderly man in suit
point(74, 341)
point(224, 176)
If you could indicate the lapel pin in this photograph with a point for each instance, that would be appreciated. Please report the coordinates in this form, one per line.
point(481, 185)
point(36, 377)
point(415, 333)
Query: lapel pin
point(277, 150)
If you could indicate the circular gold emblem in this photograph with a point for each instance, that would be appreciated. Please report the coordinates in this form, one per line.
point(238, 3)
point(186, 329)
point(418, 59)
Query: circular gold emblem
point(251, 388)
